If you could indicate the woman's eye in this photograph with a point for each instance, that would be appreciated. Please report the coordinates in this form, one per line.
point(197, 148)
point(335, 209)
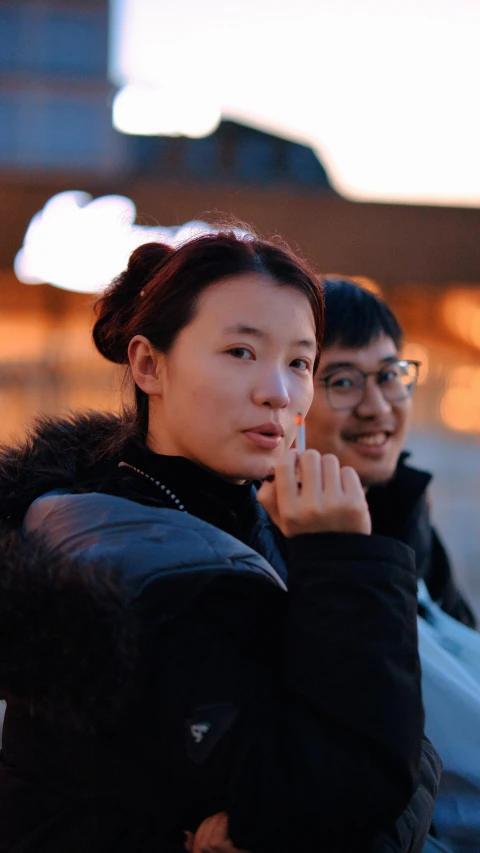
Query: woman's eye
point(241, 353)
point(301, 364)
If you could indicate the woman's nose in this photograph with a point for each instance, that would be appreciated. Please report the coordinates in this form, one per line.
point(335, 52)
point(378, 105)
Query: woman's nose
point(272, 391)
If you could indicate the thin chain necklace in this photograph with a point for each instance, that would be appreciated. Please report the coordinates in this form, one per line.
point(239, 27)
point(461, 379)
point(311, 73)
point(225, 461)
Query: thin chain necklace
point(171, 495)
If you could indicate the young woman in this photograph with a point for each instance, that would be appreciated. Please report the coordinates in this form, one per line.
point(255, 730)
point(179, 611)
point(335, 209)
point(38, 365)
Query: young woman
point(157, 670)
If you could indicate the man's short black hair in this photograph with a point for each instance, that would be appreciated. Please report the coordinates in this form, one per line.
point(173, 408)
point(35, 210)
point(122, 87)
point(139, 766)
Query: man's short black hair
point(354, 316)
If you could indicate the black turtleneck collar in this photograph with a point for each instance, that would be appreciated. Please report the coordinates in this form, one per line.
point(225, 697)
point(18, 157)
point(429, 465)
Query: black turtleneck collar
point(202, 493)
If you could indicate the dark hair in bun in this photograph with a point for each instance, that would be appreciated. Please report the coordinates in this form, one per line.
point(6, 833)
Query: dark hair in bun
point(157, 294)
point(115, 308)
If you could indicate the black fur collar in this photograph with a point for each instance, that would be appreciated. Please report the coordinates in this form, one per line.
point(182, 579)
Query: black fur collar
point(53, 454)
point(88, 613)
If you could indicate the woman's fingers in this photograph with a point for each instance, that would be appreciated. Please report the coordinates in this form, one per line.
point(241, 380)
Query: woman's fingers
point(331, 482)
point(212, 836)
point(278, 496)
point(311, 478)
point(211, 832)
point(313, 494)
point(351, 484)
point(355, 494)
point(286, 480)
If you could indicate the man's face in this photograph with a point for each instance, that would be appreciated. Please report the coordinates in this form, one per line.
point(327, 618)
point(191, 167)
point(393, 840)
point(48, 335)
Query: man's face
point(369, 437)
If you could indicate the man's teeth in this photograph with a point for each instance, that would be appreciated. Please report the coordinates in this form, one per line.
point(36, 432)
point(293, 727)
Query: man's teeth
point(372, 440)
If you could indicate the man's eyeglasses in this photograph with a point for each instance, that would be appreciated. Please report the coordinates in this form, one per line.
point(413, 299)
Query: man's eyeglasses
point(345, 386)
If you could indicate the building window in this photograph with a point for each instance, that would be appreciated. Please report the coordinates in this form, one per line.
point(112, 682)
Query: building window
point(44, 129)
point(304, 167)
point(51, 41)
point(202, 158)
point(255, 158)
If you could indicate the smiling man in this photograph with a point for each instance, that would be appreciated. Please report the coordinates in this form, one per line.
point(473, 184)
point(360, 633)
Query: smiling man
point(361, 413)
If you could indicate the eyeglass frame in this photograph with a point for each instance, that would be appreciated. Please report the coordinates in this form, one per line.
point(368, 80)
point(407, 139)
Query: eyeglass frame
point(325, 379)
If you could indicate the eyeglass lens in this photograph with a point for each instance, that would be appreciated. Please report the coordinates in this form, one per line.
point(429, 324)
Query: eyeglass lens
point(345, 387)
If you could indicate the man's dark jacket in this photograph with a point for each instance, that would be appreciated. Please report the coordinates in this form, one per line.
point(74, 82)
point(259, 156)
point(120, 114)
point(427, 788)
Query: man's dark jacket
point(164, 673)
point(400, 509)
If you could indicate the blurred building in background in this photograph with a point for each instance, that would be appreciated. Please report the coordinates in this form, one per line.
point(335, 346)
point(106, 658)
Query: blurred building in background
point(56, 135)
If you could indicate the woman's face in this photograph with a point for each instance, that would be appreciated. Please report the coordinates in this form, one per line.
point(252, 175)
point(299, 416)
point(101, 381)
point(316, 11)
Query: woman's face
point(236, 377)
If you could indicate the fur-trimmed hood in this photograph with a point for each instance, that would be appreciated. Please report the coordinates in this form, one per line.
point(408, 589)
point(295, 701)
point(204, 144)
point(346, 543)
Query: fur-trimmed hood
point(56, 620)
point(68, 635)
point(80, 572)
point(54, 454)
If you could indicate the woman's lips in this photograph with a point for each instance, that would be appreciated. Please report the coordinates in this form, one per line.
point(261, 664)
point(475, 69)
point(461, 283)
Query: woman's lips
point(266, 442)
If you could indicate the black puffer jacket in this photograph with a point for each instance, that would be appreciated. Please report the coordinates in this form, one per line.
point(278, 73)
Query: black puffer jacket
point(164, 673)
point(400, 509)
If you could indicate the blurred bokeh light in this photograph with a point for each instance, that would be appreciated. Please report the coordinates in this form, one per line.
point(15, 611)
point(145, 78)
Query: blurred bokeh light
point(81, 244)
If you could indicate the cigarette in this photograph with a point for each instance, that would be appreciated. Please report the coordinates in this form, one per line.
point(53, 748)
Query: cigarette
point(300, 442)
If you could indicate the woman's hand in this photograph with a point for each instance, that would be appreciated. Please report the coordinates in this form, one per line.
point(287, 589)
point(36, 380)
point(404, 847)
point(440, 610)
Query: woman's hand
point(211, 837)
point(311, 493)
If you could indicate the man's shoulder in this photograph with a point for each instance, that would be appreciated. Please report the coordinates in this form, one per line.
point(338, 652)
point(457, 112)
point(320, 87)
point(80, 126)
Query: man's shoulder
point(404, 493)
point(417, 479)
point(399, 508)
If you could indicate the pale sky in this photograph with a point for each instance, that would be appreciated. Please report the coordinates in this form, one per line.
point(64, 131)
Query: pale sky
point(386, 91)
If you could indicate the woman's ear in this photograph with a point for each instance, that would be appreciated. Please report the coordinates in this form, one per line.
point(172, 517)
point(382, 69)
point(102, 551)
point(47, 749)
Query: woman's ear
point(146, 363)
